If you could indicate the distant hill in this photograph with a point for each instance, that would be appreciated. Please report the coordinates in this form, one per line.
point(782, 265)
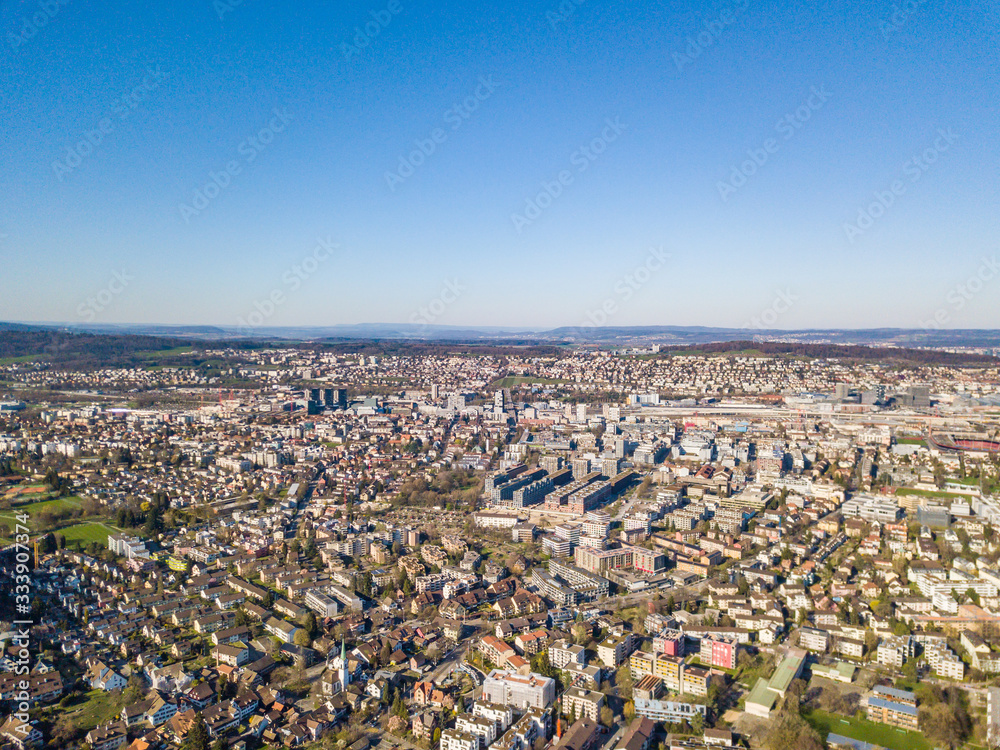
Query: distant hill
point(842, 352)
point(104, 345)
point(579, 335)
point(82, 351)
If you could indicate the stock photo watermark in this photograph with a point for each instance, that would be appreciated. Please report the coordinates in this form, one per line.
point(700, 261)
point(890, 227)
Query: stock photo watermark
point(121, 109)
point(961, 294)
point(21, 702)
point(901, 13)
point(626, 287)
point(365, 35)
point(32, 24)
point(292, 280)
point(455, 116)
point(915, 168)
point(425, 315)
point(581, 159)
point(248, 150)
point(786, 128)
point(783, 301)
point(697, 44)
point(101, 301)
point(223, 7)
point(566, 10)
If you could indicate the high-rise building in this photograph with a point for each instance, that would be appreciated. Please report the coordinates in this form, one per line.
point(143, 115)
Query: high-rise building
point(335, 398)
point(920, 394)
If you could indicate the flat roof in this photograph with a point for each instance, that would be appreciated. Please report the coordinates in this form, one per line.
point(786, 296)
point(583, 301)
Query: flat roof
point(786, 671)
point(838, 740)
point(892, 692)
point(841, 667)
point(762, 695)
point(902, 708)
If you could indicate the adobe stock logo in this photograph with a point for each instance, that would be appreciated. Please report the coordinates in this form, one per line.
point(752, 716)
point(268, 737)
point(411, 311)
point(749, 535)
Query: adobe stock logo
point(122, 108)
point(786, 127)
point(364, 36)
point(425, 315)
point(961, 294)
point(455, 116)
point(710, 35)
point(626, 287)
point(581, 158)
point(293, 279)
point(31, 25)
point(249, 149)
point(900, 15)
point(914, 169)
point(782, 303)
point(96, 303)
point(562, 14)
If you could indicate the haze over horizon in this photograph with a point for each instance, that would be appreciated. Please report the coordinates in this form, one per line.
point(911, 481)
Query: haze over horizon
point(538, 166)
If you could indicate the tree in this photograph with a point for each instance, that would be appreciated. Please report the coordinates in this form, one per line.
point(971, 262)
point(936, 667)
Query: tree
point(436, 736)
point(309, 624)
point(698, 723)
point(607, 716)
point(197, 737)
point(540, 664)
point(399, 708)
point(939, 723)
point(301, 638)
point(789, 730)
point(629, 711)
point(623, 679)
point(133, 691)
point(64, 731)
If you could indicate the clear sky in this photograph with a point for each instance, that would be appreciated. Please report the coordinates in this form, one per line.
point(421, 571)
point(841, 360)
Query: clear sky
point(712, 163)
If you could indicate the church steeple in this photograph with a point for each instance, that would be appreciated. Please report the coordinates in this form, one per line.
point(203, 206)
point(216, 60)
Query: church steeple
point(342, 674)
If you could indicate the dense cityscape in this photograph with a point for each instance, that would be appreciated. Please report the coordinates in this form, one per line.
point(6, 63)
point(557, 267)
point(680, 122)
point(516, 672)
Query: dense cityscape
point(516, 548)
point(562, 375)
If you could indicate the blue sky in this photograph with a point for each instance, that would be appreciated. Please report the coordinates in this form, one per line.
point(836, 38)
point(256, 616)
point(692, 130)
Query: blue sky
point(753, 143)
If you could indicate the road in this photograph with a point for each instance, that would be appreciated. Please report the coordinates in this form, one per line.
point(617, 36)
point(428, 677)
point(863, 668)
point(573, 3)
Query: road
point(680, 594)
point(612, 739)
point(451, 659)
point(626, 507)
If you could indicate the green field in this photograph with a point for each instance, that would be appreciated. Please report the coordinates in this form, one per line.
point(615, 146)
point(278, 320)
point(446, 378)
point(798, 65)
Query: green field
point(868, 731)
point(99, 707)
point(39, 507)
point(967, 482)
point(928, 493)
point(88, 532)
point(513, 380)
point(19, 360)
point(84, 531)
point(166, 352)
